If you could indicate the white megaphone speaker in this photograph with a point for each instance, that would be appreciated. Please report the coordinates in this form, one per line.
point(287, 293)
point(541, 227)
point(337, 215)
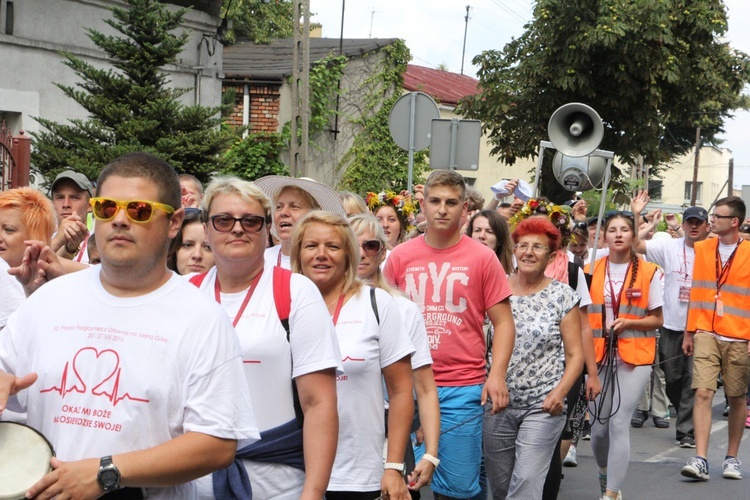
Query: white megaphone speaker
point(575, 129)
point(578, 173)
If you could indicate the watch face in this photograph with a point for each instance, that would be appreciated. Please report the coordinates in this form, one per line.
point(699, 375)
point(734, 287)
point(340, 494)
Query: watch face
point(108, 477)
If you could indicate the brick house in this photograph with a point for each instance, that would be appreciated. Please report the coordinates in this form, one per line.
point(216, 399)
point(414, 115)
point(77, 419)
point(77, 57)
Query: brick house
point(259, 76)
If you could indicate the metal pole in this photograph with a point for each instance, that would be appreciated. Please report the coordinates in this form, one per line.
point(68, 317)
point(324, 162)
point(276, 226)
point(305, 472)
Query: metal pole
point(694, 194)
point(730, 179)
point(466, 29)
point(454, 138)
point(412, 120)
point(602, 204)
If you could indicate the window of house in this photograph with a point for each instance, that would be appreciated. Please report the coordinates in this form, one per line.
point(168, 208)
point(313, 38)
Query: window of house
point(654, 189)
point(689, 192)
point(6, 17)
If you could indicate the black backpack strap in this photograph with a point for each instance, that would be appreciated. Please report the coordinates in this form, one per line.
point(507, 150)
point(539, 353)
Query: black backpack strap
point(374, 303)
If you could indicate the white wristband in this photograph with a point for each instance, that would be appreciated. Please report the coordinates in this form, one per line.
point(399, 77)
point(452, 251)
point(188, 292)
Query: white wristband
point(433, 460)
point(395, 466)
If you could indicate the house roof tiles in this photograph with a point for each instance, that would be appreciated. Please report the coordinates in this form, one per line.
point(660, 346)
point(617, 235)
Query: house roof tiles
point(443, 86)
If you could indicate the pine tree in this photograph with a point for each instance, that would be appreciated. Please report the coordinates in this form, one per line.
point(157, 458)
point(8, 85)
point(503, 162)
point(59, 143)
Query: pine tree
point(131, 107)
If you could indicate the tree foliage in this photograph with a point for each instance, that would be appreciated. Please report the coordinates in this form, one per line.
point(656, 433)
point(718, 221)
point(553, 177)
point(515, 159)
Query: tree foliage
point(257, 155)
point(259, 21)
point(375, 162)
point(653, 70)
point(131, 107)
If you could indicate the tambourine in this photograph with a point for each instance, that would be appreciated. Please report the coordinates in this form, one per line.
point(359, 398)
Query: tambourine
point(24, 459)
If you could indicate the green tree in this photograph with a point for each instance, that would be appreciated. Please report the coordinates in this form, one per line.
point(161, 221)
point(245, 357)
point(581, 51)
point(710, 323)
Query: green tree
point(375, 162)
point(257, 155)
point(131, 107)
point(653, 70)
point(258, 21)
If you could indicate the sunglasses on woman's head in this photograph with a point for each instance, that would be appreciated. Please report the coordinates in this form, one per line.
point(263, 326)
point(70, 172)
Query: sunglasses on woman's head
point(614, 213)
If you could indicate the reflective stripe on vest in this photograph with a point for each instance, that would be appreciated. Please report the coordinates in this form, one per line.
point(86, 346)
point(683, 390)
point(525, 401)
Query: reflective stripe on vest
point(636, 347)
point(734, 295)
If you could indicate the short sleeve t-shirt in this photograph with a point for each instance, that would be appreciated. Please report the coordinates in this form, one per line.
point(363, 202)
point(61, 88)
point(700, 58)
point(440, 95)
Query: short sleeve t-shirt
point(122, 374)
point(537, 362)
point(367, 347)
point(453, 288)
point(268, 357)
point(414, 325)
point(676, 260)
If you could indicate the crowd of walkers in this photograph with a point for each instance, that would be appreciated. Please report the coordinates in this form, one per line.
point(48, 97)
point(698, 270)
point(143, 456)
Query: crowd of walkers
point(276, 339)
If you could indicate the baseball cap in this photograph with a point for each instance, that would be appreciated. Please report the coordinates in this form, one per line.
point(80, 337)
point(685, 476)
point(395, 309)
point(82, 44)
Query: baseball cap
point(695, 213)
point(592, 221)
point(79, 179)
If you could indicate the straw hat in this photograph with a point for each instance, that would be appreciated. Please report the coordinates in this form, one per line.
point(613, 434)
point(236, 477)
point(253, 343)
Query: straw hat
point(327, 198)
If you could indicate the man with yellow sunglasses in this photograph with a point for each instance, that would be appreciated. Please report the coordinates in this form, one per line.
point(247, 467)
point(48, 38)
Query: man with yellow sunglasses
point(140, 386)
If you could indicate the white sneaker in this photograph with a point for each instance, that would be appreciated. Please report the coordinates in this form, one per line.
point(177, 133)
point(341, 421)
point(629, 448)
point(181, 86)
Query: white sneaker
point(618, 497)
point(731, 468)
point(570, 458)
point(696, 468)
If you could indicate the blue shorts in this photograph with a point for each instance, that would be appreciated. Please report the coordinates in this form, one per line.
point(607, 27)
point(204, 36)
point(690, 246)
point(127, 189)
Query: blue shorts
point(460, 447)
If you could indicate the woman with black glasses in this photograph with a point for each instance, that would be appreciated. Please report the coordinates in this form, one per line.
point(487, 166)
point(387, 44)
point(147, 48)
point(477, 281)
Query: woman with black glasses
point(624, 316)
point(288, 347)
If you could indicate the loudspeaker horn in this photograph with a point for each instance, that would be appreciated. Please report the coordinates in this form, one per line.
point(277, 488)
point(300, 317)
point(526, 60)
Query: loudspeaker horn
point(578, 173)
point(575, 129)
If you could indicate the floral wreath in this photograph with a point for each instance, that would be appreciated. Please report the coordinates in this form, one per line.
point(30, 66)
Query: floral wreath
point(404, 207)
point(560, 216)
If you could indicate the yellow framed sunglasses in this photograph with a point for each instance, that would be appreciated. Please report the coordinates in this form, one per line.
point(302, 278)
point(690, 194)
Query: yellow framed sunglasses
point(137, 210)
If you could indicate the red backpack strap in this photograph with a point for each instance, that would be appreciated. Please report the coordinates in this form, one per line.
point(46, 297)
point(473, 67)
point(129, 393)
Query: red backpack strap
point(197, 280)
point(282, 295)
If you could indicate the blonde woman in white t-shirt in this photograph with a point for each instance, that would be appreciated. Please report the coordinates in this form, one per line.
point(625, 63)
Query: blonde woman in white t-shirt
point(372, 248)
point(374, 347)
point(237, 215)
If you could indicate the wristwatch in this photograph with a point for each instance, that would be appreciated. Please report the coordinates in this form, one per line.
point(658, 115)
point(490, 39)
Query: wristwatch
point(395, 466)
point(109, 475)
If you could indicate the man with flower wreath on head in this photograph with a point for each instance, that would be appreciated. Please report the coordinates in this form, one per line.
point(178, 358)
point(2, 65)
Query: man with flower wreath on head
point(456, 280)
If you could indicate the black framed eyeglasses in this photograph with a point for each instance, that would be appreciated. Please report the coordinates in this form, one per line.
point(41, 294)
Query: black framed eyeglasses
point(225, 223)
point(717, 216)
point(372, 246)
point(624, 213)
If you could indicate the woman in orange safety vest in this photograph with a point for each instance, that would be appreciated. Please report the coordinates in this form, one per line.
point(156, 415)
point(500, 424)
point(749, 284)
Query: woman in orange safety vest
point(624, 316)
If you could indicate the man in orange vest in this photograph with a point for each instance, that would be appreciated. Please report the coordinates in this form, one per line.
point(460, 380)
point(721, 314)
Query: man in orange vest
point(717, 333)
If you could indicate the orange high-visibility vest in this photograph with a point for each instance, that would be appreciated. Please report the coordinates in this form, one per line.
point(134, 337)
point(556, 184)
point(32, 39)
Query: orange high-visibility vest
point(734, 295)
point(636, 347)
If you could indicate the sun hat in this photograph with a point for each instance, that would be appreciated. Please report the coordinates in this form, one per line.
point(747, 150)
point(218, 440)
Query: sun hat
point(327, 198)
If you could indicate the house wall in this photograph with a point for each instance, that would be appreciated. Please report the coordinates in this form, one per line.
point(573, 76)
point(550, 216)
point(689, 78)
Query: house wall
point(264, 104)
point(713, 172)
point(31, 64)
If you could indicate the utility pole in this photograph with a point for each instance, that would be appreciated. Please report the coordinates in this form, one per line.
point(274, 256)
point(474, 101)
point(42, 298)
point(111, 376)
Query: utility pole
point(730, 181)
point(466, 29)
point(372, 19)
point(694, 194)
point(300, 88)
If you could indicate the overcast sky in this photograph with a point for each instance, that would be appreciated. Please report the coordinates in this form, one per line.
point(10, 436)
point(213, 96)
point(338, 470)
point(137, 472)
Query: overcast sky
point(434, 32)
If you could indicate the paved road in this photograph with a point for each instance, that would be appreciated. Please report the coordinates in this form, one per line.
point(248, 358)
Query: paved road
point(655, 463)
